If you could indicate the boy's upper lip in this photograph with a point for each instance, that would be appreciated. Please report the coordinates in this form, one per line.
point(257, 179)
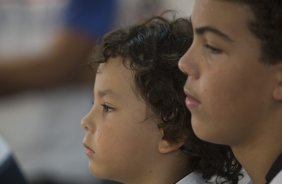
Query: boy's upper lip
point(190, 95)
point(87, 147)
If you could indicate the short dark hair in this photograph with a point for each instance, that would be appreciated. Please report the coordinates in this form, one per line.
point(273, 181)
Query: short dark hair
point(267, 27)
point(152, 50)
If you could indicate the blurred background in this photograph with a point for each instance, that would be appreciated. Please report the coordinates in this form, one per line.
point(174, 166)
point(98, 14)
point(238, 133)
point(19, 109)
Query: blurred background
point(45, 87)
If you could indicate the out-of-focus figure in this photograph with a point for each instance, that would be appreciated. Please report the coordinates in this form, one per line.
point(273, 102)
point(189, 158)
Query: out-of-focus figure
point(9, 169)
point(182, 7)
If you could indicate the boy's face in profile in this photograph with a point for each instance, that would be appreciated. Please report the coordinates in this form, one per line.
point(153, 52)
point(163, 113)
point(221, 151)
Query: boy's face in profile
point(229, 91)
point(121, 143)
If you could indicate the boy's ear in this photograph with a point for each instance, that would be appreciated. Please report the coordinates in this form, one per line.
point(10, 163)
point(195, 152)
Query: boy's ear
point(166, 146)
point(277, 93)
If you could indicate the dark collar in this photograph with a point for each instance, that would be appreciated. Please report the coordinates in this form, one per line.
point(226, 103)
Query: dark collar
point(275, 169)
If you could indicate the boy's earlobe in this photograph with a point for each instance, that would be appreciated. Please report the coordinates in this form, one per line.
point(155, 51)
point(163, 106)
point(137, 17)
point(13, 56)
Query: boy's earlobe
point(277, 93)
point(166, 146)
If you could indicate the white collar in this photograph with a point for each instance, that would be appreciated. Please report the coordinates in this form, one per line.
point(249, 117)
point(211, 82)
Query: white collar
point(277, 179)
point(192, 178)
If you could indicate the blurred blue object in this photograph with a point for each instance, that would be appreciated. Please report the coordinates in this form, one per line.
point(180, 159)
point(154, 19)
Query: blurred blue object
point(93, 16)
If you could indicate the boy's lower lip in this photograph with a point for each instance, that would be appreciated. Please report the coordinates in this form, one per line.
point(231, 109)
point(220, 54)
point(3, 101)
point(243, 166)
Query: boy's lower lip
point(89, 152)
point(191, 102)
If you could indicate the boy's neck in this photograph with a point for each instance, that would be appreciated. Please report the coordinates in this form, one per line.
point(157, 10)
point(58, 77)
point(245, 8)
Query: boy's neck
point(161, 172)
point(259, 153)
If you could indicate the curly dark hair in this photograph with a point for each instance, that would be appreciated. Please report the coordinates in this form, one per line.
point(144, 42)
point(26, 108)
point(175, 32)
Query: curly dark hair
point(152, 50)
point(267, 27)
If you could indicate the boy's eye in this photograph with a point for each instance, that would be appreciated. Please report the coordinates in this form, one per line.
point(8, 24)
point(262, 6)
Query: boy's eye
point(107, 108)
point(212, 49)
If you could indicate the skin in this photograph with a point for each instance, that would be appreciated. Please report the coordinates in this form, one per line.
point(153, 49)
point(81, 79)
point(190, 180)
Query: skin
point(234, 98)
point(122, 143)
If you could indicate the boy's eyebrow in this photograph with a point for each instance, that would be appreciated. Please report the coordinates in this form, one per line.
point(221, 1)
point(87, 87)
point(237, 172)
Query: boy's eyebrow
point(102, 93)
point(204, 29)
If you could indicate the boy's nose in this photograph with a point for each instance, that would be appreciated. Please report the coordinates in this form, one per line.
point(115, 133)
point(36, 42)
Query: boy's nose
point(86, 122)
point(83, 123)
point(188, 65)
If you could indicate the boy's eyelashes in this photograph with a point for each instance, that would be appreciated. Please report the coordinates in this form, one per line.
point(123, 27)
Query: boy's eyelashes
point(213, 49)
point(107, 108)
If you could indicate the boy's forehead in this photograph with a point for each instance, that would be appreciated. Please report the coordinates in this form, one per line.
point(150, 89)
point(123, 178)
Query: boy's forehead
point(219, 17)
point(221, 7)
point(114, 75)
point(115, 62)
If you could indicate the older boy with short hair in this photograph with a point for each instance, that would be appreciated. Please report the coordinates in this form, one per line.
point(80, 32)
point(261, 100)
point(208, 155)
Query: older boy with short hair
point(234, 84)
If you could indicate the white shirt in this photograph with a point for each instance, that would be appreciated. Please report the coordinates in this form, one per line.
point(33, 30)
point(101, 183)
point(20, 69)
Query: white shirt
point(192, 178)
point(196, 178)
point(277, 179)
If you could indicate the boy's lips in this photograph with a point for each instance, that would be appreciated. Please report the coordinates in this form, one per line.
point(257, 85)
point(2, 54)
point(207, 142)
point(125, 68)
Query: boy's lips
point(88, 150)
point(190, 101)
